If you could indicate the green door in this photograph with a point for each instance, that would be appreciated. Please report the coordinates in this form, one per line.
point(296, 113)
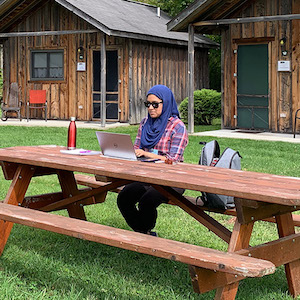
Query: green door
point(253, 87)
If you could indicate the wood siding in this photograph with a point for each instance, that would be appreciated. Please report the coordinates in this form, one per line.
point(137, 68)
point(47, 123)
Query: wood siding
point(141, 65)
point(163, 64)
point(283, 86)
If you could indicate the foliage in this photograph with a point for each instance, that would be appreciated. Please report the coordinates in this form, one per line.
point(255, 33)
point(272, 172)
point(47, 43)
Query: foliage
point(174, 7)
point(171, 7)
point(207, 106)
point(214, 58)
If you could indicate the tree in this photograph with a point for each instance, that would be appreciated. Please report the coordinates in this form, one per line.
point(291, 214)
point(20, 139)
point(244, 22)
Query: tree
point(174, 7)
point(214, 58)
point(171, 7)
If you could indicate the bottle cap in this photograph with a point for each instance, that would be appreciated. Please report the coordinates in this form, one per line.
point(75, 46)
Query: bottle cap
point(73, 118)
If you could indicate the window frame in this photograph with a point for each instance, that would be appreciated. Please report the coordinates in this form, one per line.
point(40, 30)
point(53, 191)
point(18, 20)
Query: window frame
point(46, 51)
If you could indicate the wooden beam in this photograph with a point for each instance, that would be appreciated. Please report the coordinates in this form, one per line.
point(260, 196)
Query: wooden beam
point(103, 80)
point(130, 74)
point(191, 79)
point(83, 195)
point(43, 33)
point(247, 20)
point(196, 212)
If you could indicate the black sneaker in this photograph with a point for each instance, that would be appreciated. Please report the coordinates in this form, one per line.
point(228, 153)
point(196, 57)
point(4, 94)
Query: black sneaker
point(153, 233)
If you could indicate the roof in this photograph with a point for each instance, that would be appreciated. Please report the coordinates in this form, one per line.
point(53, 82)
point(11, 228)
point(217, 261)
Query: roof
point(123, 18)
point(201, 10)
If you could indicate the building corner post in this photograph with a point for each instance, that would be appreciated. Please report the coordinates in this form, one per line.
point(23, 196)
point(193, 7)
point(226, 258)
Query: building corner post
point(191, 78)
point(103, 80)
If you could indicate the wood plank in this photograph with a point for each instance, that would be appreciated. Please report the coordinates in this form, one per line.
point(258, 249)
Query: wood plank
point(126, 83)
point(134, 241)
point(39, 201)
point(273, 96)
point(9, 169)
point(243, 184)
point(246, 214)
point(91, 181)
point(15, 196)
point(45, 33)
point(247, 28)
point(53, 101)
point(295, 62)
point(246, 20)
point(79, 196)
point(69, 188)
point(260, 9)
point(195, 212)
point(191, 78)
point(131, 82)
point(71, 77)
point(240, 239)
point(103, 79)
point(205, 280)
point(285, 228)
point(209, 280)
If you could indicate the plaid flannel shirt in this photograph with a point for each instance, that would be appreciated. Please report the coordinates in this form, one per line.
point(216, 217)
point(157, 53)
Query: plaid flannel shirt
point(173, 141)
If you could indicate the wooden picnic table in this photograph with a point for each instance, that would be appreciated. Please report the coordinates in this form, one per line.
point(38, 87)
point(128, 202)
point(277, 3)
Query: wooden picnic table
point(257, 196)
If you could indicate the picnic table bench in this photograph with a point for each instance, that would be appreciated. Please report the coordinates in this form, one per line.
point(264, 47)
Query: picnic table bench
point(257, 197)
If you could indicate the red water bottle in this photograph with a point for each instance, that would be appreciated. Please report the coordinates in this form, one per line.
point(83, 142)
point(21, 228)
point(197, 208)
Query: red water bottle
point(72, 134)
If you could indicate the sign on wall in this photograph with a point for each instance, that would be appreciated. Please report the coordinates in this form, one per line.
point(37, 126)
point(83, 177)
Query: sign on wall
point(81, 66)
point(284, 66)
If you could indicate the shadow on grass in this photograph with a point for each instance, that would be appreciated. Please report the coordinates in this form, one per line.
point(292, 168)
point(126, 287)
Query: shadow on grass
point(59, 263)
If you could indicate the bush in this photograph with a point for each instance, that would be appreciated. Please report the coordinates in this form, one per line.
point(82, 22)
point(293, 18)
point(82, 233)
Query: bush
point(207, 106)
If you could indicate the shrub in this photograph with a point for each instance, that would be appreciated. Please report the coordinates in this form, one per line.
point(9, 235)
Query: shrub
point(207, 106)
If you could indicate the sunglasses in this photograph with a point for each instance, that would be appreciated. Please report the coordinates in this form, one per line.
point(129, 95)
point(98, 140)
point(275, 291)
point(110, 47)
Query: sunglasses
point(154, 104)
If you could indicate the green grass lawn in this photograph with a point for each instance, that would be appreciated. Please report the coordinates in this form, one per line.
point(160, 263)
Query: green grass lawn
point(37, 264)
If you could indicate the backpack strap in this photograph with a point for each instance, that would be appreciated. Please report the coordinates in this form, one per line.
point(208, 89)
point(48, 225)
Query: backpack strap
point(210, 151)
point(230, 159)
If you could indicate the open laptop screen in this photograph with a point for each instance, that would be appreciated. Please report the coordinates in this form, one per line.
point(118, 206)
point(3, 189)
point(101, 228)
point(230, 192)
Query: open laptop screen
point(116, 145)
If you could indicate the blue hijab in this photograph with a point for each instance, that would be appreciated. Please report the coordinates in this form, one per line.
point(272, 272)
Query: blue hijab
point(154, 127)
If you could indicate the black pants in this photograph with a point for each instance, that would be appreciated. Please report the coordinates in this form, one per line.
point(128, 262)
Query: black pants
point(137, 203)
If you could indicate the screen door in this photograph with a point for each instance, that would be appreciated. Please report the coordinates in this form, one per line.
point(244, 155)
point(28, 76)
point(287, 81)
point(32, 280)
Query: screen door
point(112, 85)
point(253, 87)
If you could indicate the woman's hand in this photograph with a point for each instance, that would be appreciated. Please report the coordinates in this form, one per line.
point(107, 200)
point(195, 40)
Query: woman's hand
point(141, 152)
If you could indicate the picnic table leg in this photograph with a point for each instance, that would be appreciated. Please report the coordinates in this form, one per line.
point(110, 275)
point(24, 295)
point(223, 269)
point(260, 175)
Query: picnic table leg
point(69, 188)
point(240, 239)
point(15, 196)
point(285, 226)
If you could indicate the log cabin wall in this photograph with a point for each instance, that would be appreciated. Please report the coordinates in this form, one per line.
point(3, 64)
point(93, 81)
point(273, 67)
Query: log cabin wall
point(283, 86)
point(66, 97)
point(141, 65)
point(154, 63)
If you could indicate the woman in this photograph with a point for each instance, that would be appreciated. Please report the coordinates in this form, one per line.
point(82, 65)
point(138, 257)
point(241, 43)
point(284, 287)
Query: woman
point(162, 135)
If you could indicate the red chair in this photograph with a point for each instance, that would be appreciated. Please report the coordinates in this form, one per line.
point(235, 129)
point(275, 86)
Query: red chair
point(37, 100)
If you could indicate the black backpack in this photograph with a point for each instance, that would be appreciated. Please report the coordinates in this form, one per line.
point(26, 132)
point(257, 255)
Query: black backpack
point(210, 156)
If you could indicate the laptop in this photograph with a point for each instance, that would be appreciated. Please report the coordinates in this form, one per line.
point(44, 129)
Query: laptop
point(118, 145)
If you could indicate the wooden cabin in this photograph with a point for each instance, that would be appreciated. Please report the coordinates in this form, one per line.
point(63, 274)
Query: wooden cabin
point(96, 59)
point(260, 59)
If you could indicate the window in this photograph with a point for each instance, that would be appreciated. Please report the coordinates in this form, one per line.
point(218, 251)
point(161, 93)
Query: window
point(47, 65)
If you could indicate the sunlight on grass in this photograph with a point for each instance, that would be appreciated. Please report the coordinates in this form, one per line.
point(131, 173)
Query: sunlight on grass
point(37, 264)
